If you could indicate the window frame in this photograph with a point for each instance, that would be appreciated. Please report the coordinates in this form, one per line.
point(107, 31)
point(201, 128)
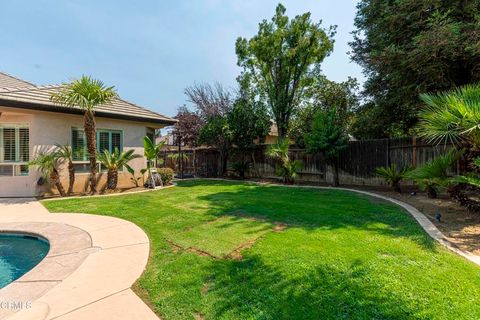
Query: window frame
point(97, 135)
point(17, 163)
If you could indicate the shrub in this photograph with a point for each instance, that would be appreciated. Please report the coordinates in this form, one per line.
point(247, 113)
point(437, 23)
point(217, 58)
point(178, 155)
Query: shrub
point(393, 176)
point(433, 176)
point(166, 174)
point(240, 168)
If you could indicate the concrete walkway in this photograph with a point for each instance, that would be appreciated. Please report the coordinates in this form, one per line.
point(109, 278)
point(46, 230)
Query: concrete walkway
point(88, 273)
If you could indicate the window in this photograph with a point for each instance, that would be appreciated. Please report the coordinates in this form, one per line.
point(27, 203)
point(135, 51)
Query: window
point(14, 149)
point(106, 140)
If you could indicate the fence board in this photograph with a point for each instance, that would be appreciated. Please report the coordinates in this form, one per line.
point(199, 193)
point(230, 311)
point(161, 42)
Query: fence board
point(357, 162)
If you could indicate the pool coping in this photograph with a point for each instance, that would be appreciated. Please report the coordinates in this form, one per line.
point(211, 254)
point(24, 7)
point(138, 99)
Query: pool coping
point(85, 274)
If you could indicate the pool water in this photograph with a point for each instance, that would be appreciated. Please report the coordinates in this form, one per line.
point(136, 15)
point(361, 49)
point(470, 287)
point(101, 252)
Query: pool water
point(19, 254)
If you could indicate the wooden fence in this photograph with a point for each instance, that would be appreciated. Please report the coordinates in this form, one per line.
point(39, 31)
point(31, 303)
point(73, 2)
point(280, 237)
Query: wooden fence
point(357, 162)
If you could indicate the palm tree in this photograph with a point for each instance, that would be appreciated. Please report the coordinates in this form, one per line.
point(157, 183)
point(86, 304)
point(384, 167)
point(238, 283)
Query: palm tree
point(151, 151)
point(433, 175)
point(86, 93)
point(393, 175)
point(452, 116)
point(113, 162)
point(177, 157)
point(288, 169)
point(48, 163)
point(65, 153)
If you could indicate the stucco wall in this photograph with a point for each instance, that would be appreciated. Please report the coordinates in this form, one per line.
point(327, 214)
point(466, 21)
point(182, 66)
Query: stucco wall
point(48, 129)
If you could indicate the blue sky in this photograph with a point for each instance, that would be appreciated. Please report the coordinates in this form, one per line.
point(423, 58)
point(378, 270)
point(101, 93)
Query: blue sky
point(150, 50)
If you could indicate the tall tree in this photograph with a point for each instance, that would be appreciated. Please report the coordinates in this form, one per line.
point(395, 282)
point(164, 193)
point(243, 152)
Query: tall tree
point(327, 135)
point(325, 95)
point(248, 122)
point(87, 93)
point(283, 59)
point(213, 103)
point(187, 130)
point(409, 47)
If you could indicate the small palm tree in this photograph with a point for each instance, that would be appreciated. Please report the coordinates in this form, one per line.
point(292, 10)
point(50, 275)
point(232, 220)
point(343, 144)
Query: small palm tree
point(48, 163)
point(393, 176)
point(433, 175)
point(175, 158)
point(151, 151)
point(287, 168)
point(65, 153)
point(86, 93)
point(113, 162)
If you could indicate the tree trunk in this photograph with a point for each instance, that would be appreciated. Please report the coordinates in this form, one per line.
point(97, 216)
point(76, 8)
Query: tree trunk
point(431, 192)
point(71, 177)
point(112, 179)
point(458, 193)
point(90, 133)
point(396, 187)
point(254, 165)
point(54, 176)
point(336, 180)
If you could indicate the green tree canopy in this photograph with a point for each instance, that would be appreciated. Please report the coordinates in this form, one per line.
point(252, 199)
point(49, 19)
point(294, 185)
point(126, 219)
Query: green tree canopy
point(248, 121)
point(408, 47)
point(325, 95)
point(327, 135)
point(282, 60)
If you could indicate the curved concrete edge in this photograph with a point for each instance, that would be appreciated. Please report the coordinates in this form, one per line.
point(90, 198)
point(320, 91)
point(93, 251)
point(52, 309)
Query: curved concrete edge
point(65, 255)
point(109, 195)
point(422, 220)
point(100, 286)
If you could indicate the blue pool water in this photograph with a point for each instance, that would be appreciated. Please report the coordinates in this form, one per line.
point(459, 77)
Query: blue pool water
point(18, 254)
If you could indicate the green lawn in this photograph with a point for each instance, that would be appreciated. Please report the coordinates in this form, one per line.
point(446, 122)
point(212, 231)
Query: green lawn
point(307, 254)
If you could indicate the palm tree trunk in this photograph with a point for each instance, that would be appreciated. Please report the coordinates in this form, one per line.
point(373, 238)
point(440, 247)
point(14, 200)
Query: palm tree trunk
point(90, 133)
point(112, 179)
point(54, 176)
point(71, 177)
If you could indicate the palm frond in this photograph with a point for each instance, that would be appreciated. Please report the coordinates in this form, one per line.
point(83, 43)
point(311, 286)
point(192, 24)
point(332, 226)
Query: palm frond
point(86, 93)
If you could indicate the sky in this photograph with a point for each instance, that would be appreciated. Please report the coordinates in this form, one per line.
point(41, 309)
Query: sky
point(150, 50)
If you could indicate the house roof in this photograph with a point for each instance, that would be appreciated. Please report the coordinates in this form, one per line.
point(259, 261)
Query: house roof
point(21, 94)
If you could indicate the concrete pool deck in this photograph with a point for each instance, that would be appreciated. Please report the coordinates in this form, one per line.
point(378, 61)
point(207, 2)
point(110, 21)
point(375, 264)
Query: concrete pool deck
point(88, 273)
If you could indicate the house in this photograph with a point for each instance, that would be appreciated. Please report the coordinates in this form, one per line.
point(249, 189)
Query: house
point(31, 123)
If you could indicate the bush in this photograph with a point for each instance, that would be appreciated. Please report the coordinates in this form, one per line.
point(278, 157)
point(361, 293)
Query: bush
point(240, 168)
point(166, 174)
point(393, 176)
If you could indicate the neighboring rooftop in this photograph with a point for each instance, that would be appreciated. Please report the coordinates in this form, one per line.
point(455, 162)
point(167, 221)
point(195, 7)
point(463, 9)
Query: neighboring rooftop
point(22, 94)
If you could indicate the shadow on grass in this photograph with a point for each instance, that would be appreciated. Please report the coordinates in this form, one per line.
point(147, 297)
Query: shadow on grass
point(314, 209)
point(250, 289)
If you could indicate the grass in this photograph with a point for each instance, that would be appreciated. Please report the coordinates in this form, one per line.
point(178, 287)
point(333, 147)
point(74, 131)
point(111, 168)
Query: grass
point(341, 256)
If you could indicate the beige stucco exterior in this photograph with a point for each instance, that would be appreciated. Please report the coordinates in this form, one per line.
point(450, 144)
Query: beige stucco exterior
point(49, 128)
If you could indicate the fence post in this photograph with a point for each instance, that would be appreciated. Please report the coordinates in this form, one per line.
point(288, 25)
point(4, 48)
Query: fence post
point(388, 152)
point(414, 151)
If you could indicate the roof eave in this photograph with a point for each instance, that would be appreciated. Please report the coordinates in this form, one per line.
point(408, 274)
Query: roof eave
point(59, 109)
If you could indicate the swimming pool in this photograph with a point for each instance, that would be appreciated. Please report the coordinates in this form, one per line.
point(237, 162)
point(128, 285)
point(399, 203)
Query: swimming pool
point(19, 253)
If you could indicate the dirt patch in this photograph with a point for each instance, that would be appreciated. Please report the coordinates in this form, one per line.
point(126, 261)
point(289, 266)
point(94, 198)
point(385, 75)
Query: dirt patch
point(205, 289)
point(460, 226)
point(237, 253)
point(177, 248)
point(199, 316)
